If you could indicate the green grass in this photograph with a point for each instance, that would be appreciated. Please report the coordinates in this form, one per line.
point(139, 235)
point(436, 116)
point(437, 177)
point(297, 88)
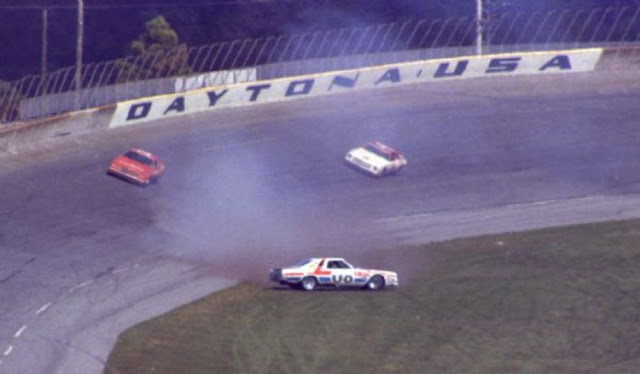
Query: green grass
point(562, 300)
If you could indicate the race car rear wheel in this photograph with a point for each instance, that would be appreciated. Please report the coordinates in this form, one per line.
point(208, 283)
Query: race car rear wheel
point(308, 283)
point(376, 283)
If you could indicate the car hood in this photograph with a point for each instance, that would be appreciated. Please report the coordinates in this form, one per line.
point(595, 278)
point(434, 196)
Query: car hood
point(385, 272)
point(122, 161)
point(369, 157)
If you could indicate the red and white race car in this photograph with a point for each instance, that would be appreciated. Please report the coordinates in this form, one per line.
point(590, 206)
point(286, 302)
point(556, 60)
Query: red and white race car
point(137, 166)
point(376, 159)
point(334, 272)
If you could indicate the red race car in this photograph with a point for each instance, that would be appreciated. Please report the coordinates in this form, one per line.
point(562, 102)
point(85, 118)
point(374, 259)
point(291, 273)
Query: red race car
point(137, 166)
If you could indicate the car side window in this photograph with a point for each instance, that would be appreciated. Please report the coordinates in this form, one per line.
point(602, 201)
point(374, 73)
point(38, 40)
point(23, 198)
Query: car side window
point(333, 265)
point(341, 265)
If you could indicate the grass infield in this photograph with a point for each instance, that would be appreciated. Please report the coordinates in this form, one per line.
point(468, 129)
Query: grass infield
point(562, 300)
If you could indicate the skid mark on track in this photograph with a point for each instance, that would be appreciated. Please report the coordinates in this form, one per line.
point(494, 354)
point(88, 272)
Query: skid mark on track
point(18, 271)
point(8, 277)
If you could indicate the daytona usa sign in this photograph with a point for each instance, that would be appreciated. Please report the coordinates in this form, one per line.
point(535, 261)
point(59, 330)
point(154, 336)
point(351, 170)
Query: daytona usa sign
point(251, 93)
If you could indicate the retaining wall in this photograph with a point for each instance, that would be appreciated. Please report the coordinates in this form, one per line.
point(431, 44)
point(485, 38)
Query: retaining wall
point(32, 135)
point(29, 135)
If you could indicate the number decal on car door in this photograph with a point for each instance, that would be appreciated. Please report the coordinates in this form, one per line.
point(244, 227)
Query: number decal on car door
point(342, 278)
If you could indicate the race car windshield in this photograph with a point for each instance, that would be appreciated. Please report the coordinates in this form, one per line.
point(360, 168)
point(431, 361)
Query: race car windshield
point(138, 157)
point(339, 265)
point(378, 152)
point(302, 263)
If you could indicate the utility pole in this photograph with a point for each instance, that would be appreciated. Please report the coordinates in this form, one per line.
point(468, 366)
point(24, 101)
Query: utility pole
point(479, 27)
point(45, 41)
point(79, 45)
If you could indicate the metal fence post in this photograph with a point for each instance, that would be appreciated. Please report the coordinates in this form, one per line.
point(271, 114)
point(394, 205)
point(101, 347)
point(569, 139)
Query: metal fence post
point(584, 27)
point(212, 64)
point(555, 27)
point(526, 26)
point(595, 32)
point(413, 33)
point(544, 22)
point(397, 39)
point(479, 27)
point(426, 34)
point(615, 23)
point(444, 26)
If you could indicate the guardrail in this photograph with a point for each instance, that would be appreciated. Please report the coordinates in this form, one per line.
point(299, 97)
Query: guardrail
point(108, 82)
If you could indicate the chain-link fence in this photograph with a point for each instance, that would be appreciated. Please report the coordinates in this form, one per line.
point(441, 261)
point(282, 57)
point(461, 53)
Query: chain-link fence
point(286, 55)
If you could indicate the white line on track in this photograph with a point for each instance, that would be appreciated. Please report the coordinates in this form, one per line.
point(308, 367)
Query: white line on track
point(117, 271)
point(43, 308)
point(78, 286)
point(46, 306)
point(20, 331)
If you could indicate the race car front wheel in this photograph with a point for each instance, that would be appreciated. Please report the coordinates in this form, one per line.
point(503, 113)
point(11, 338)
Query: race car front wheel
point(376, 283)
point(309, 283)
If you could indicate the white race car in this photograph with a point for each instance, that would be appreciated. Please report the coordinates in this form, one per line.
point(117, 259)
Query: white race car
point(334, 272)
point(376, 159)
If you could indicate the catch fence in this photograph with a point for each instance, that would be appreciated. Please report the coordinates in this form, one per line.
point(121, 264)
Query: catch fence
point(269, 57)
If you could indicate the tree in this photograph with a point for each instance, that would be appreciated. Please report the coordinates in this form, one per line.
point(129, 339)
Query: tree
point(156, 53)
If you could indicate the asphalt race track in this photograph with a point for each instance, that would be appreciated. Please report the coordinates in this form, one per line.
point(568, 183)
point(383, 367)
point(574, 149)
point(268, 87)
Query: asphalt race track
point(85, 255)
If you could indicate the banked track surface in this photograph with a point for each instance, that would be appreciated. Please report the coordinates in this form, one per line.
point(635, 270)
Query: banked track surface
point(85, 255)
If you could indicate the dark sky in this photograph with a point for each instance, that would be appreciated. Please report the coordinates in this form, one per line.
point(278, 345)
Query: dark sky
point(110, 25)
